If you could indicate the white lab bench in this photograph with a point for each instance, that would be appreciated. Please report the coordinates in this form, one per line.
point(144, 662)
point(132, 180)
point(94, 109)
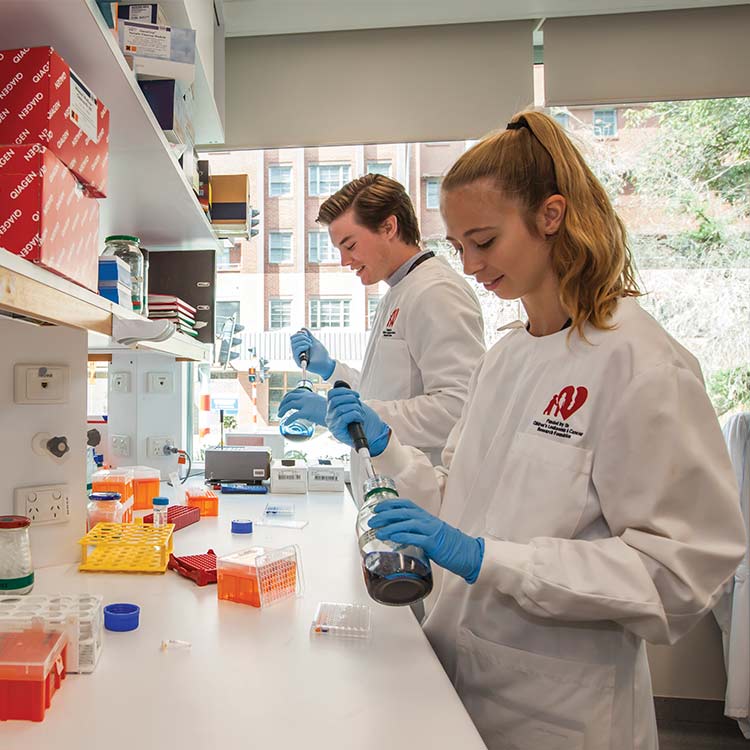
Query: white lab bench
point(254, 678)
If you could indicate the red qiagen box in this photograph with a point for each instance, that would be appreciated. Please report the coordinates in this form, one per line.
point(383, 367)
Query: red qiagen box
point(45, 216)
point(43, 101)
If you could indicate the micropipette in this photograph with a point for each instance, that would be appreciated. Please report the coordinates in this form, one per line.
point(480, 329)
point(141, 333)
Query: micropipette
point(357, 434)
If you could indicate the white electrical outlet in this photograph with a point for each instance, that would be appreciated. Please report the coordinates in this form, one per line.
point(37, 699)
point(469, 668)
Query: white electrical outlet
point(155, 446)
point(41, 384)
point(120, 446)
point(120, 382)
point(43, 504)
point(160, 382)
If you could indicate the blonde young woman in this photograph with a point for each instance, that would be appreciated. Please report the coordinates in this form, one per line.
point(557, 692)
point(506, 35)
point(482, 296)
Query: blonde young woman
point(586, 502)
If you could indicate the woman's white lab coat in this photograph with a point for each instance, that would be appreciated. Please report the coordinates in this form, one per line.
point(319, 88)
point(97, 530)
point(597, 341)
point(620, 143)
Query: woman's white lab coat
point(597, 474)
point(426, 341)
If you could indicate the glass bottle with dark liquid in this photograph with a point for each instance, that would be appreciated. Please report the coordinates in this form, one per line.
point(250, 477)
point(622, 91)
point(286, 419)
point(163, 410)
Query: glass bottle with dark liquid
point(294, 429)
point(395, 574)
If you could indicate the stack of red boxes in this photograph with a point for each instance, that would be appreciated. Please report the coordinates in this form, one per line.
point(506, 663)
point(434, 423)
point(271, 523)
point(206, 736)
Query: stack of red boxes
point(54, 163)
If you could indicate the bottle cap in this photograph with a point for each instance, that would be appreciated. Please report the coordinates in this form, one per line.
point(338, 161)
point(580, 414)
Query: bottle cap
point(242, 526)
point(105, 496)
point(160, 501)
point(121, 617)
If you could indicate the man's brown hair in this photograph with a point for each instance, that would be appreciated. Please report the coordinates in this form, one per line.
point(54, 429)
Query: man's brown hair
point(374, 198)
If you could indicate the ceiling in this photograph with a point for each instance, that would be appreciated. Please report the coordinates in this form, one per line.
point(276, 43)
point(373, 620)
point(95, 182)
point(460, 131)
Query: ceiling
point(264, 17)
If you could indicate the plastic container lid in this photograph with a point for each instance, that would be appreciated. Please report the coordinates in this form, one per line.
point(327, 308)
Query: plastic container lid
point(14, 522)
point(121, 617)
point(161, 501)
point(105, 496)
point(123, 238)
point(242, 526)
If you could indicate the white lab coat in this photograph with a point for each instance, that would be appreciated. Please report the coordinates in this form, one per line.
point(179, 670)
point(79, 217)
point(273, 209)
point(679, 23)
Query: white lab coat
point(426, 341)
point(597, 475)
point(733, 609)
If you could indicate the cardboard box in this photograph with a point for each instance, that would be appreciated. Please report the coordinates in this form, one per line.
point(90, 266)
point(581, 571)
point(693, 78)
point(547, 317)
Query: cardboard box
point(172, 105)
point(43, 101)
point(159, 51)
point(325, 478)
point(204, 186)
point(117, 293)
point(291, 480)
point(46, 217)
point(142, 13)
point(114, 270)
point(229, 197)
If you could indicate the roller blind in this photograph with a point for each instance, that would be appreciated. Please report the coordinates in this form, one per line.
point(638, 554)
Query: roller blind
point(639, 57)
point(427, 83)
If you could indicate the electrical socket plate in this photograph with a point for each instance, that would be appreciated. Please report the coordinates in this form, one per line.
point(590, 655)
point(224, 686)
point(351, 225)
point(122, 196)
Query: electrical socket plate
point(120, 446)
point(160, 382)
point(155, 446)
point(120, 382)
point(41, 384)
point(43, 504)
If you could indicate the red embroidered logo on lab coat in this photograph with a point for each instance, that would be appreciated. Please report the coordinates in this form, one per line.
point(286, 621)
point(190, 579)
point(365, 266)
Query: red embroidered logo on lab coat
point(388, 330)
point(567, 402)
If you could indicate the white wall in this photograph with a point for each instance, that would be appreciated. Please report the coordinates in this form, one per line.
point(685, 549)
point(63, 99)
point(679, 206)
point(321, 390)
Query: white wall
point(23, 343)
point(140, 414)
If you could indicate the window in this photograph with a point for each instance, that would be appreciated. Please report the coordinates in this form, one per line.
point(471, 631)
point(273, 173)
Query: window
point(279, 313)
point(372, 307)
point(433, 193)
point(563, 118)
point(279, 247)
point(225, 310)
point(379, 167)
point(279, 181)
point(329, 313)
point(228, 258)
point(320, 248)
point(605, 123)
point(325, 179)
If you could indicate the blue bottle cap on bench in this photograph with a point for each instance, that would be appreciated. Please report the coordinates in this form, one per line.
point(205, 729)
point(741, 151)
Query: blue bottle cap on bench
point(242, 526)
point(121, 617)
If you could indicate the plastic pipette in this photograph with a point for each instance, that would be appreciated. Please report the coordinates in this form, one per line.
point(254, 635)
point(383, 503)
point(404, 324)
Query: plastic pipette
point(357, 434)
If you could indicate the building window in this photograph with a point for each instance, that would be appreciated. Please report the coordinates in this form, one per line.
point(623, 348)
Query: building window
point(279, 313)
point(372, 307)
point(325, 179)
point(224, 311)
point(563, 119)
point(279, 181)
point(605, 123)
point(228, 258)
point(279, 247)
point(379, 167)
point(433, 193)
point(279, 383)
point(320, 248)
point(329, 313)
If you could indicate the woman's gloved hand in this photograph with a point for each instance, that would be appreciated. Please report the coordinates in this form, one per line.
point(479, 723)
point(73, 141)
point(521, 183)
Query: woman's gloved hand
point(310, 406)
point(319, 360)
point(403, 522)
point(345, 407)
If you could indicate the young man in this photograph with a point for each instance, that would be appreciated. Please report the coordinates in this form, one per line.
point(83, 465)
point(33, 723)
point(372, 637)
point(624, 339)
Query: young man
point(427, 336)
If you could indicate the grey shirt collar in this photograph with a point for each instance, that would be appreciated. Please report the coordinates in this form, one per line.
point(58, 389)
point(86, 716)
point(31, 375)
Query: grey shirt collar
point(400, 273)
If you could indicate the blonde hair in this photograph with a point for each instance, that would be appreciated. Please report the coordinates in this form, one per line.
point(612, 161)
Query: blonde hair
point(532, 160)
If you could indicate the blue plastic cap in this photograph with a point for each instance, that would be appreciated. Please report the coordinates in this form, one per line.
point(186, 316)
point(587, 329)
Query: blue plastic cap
point(241, 526)
point(108, 496)
point(121, 617)
point(161, 501)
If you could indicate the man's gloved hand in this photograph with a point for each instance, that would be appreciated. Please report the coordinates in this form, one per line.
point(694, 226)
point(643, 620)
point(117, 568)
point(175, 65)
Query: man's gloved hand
point(319, 360)
point(310, 406)
point(345, 407)
point(403, 522)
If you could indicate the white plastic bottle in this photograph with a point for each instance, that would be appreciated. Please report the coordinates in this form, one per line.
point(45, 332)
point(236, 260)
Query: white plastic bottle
point(160, 511)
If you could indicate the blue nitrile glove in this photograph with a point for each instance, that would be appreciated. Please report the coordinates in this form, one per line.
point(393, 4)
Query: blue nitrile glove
point(319, 360)
point(403, 522)
point(310, 406)
point(345, 407)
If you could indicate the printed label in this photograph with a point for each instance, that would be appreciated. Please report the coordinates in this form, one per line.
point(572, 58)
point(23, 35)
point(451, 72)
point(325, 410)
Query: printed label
point(325, 477)
point(290, 476)
point(147, 41)
point(83, 108)
point(140, 13)
point(259, 473)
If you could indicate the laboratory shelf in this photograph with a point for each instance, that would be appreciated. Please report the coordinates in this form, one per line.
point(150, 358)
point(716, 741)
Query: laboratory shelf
point(148, 193)
point(31, 291)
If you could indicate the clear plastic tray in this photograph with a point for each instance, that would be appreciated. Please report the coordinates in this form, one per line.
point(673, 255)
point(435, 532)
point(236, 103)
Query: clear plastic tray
point(341, 620)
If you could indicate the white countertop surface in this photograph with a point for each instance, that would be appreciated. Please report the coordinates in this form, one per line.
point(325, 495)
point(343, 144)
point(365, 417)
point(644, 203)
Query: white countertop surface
point(254, 678)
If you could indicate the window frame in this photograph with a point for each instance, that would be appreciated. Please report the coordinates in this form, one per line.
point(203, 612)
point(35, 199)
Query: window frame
point(608, 111)
point(334, 255)
point(289, 192)
point(430, 181)
point(286, 305)
point(281, 233)
point(386, 162)
point(345, 174)
point(344, 316)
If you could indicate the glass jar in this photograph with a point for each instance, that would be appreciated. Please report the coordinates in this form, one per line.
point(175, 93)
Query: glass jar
point(297, 430)
point(16, 572)
point(126, 247)
point(103, 507)
point(395, 574)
